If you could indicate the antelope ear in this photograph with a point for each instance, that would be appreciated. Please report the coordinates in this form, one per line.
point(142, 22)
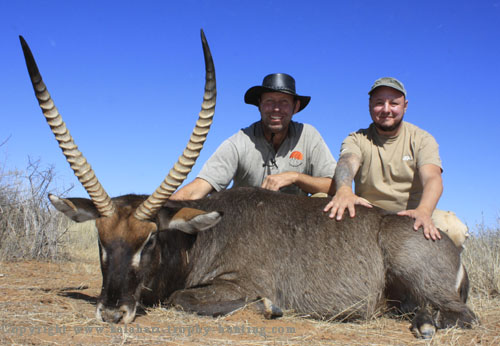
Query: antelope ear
point(77, 209)
point(192, 221)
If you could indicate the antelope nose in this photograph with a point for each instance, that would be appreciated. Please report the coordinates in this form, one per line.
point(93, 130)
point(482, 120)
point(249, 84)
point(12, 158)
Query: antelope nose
point(111, 315)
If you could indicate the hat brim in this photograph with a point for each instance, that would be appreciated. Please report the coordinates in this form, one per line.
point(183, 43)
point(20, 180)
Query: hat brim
point(252, 96)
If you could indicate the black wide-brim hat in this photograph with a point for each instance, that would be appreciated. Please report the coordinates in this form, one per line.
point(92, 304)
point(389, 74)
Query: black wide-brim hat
point(276, 82)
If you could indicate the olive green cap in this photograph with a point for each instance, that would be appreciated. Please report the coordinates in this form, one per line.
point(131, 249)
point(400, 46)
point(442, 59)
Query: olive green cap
point(388, 82)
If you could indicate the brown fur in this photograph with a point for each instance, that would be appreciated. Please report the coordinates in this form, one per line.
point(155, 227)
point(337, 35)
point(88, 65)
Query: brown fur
point(124, 227)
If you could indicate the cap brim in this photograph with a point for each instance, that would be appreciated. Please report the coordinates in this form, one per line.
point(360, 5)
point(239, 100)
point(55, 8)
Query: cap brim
point(388, 86)
point(252, 96)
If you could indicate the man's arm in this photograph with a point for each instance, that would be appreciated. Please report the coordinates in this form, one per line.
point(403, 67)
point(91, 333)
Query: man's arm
point(346, 169)
point(305, 182)
point(321, 165)
point(432, 182)
point(196, 189)
point(215, 174)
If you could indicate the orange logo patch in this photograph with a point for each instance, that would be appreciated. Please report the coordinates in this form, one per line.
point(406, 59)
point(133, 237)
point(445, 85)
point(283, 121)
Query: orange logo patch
point(297, 155)
point(296, 159)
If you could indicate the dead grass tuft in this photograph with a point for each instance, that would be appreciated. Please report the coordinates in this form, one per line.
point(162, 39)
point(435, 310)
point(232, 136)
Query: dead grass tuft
point(482, 260)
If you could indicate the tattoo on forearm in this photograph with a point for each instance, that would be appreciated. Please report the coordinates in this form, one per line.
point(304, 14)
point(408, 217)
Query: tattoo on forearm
point(347, 167)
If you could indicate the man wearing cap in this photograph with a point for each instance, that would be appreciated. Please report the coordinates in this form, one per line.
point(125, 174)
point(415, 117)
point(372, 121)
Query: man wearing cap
point(395, 165)
point(275, 152)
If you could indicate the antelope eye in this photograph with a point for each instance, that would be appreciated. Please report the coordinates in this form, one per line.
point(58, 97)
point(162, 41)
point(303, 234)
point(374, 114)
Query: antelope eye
point(151, 242)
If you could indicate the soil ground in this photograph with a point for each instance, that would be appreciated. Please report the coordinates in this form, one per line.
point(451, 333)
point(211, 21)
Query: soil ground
point(54, 304)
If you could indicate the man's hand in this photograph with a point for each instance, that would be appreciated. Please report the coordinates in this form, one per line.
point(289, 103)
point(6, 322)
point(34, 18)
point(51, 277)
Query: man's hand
point(275, 182)
point(422, 219)
point(430, 175)
point(344, 198)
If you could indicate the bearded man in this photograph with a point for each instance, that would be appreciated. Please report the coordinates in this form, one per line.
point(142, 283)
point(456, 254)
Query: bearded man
point(394, 165)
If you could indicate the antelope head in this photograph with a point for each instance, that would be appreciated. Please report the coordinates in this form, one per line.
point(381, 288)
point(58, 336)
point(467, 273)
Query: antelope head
point(128, 225)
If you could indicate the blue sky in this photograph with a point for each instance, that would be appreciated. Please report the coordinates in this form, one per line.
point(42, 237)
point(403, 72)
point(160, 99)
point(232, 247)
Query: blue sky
point(127, 77)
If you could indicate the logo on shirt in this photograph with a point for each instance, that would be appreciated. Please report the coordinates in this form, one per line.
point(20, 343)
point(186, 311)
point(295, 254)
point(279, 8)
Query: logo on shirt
point(407, 158)
point(296, 158)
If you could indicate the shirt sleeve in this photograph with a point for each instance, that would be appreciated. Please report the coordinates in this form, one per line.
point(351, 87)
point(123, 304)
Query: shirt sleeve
point(428, 152)
point(351, 145)
point(221, 167)
point(323, 164)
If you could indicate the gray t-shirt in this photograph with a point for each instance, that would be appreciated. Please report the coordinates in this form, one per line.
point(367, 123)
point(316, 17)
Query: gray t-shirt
point(247, 158)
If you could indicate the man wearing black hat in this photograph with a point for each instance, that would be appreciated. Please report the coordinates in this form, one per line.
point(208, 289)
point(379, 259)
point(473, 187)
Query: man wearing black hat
point(275, 153)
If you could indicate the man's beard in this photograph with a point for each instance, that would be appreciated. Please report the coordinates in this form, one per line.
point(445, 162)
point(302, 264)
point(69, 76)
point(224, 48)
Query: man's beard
point(389, 128)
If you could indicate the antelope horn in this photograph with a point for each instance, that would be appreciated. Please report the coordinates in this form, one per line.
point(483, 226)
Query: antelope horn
point(76, 160)
point(181, 169)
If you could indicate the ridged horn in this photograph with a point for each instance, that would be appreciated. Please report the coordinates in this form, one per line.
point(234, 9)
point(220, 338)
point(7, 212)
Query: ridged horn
point(75, 158)
point(181, 169)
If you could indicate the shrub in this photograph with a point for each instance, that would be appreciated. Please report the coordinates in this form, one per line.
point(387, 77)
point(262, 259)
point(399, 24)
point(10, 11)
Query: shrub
point(29, 227)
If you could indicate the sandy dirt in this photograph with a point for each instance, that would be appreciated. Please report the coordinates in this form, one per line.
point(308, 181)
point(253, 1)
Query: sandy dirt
point(54, 304)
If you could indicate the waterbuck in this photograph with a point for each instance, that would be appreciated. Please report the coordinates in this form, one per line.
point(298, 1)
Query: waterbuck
point(248, 245)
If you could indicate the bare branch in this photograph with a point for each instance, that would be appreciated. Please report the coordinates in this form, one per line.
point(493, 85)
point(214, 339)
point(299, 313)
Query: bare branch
point(5, 141)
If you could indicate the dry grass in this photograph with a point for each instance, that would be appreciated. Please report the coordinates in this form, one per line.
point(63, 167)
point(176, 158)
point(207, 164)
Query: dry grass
point(52, 303)
point(482, 260)
point(83, 240)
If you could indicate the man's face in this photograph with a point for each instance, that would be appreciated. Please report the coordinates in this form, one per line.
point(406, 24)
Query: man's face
point(276, 110)
point(387, 107)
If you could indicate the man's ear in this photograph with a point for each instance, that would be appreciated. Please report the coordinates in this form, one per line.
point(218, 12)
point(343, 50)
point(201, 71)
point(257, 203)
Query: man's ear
point(189, 220)
point(297, 106)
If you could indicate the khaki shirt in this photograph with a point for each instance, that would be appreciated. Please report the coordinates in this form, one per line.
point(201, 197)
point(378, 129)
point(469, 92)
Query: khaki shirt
point(388, 175)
